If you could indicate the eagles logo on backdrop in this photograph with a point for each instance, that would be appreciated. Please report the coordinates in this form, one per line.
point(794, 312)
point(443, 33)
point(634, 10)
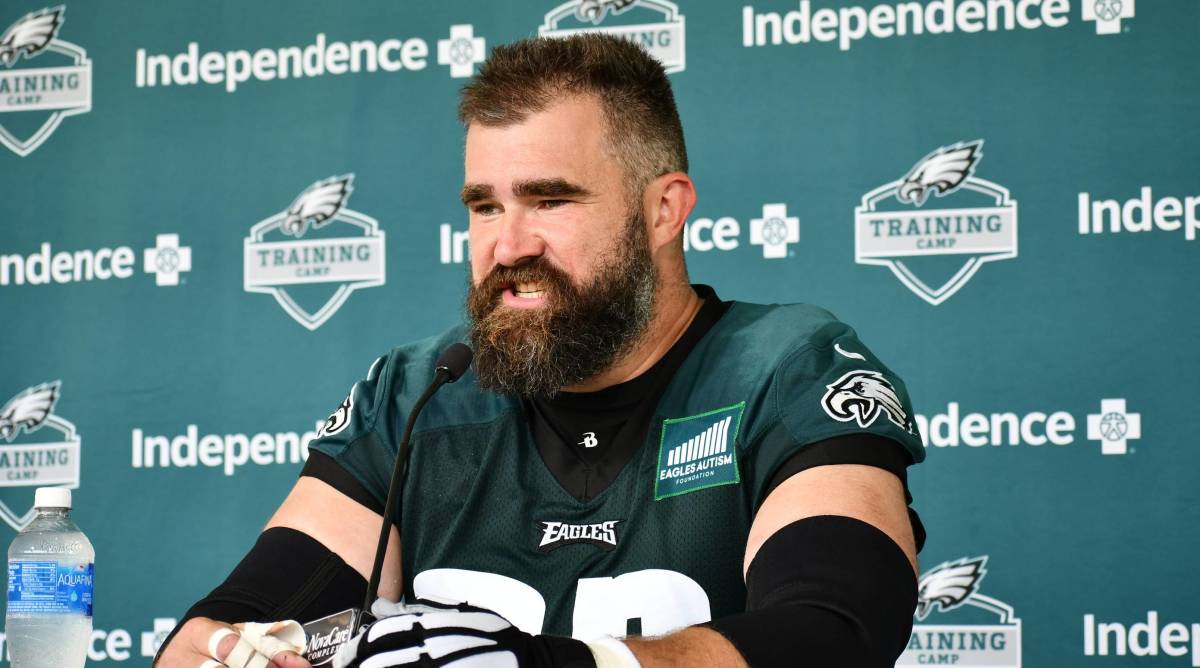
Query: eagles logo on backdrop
point(56, 81)
point(656, 25)
point(978, 630)
point(314, 253)
point(936, 251)
point(37, 449)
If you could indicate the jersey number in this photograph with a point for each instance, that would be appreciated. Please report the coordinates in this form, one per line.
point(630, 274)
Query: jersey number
point(663, 600)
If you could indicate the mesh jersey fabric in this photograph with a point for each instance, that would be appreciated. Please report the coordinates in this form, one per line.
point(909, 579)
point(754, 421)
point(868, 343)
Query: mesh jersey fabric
point(479, 504)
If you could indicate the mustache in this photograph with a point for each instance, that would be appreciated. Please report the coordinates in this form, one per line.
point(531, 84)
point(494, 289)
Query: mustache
point(539, 270)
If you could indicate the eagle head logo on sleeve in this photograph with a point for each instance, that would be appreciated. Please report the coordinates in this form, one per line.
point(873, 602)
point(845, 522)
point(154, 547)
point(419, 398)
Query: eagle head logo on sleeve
point(28, 410)
point(949, 585)
point(940, 172)
point(317, 205)
point(30, 35)
point(861, 396)
point(340, 418)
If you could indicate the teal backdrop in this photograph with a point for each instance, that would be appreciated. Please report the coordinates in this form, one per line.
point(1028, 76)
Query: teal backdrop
point(1001, 197)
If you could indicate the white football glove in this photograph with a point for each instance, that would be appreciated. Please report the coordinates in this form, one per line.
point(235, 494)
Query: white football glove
point(429, 634)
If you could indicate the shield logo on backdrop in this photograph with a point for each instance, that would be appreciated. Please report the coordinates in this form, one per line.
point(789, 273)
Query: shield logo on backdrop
point(37, 449)
point(43, 80)
point(314, 253)
point(954, 624)
point(656, 25)
point(936, 250)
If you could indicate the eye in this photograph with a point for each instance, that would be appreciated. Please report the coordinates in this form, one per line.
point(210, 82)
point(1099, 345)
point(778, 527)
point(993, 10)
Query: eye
point(485, 209)
point(553, 203)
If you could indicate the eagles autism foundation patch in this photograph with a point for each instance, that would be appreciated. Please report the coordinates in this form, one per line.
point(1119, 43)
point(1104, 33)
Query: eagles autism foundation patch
point(698, 452)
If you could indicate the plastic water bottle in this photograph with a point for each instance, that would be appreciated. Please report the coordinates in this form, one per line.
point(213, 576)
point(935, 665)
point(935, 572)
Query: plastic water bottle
point(48, 621)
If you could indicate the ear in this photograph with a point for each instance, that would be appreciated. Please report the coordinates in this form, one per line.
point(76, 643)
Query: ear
point(667, 202)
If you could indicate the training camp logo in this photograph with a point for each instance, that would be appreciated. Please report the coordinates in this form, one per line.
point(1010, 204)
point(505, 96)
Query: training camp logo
point(314, 253)
point(59, 85)
point(557, 534)
point(655, 25)
point(936, 251)
point(31, 457)
point(862, 396)
point(971, 638)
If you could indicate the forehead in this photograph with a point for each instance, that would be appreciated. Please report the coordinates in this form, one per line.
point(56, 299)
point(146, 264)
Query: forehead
point(565, 140)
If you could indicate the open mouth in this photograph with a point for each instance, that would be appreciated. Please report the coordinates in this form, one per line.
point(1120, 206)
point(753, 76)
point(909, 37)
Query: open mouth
point(529, 291)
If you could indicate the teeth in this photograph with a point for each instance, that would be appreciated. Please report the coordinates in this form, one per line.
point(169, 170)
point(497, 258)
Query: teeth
point(527, 291)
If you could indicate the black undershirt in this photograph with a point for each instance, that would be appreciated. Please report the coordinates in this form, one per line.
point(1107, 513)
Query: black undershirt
point(619, 419)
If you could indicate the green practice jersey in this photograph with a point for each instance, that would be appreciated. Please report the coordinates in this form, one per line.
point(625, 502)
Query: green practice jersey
point(482, 519)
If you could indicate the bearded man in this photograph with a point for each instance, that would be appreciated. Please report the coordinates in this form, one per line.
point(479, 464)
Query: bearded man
point(635, 472)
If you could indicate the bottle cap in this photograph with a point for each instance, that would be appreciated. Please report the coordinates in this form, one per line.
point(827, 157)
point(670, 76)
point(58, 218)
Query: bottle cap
point(52, 497)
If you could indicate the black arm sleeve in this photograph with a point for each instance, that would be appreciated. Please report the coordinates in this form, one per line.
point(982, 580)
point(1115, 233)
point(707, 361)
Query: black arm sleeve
point(286, 575)
point(825, 591)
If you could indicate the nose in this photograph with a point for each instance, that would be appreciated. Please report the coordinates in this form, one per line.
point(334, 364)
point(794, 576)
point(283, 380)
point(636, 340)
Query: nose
point(517, 241)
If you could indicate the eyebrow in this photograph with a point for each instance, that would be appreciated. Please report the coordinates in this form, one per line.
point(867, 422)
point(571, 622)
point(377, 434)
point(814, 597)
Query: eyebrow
point(473, 192)
point(553, 187)
point(556, 187)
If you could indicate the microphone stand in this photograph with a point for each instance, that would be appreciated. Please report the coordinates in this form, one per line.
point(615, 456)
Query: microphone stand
point(328, 633)
point(440, 378)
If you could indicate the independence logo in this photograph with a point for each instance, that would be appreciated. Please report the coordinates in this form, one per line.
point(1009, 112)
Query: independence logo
point(43, 80)
point(37, 449)
point(313, 254)
point(974, 630)
point(655, 25)
point(935, 250)
point(698, 452)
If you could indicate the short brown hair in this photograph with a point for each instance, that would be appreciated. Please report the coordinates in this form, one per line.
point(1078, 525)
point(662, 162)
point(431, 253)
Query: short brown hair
point(635, 95)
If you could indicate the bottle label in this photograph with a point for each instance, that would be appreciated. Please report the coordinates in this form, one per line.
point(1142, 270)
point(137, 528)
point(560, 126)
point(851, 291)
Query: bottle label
point(48, 587)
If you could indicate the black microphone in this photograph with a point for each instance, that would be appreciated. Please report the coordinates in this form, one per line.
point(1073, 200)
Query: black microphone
point(450, 366)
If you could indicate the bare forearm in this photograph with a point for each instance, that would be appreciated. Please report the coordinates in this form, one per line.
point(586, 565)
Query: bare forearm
point(694, 646)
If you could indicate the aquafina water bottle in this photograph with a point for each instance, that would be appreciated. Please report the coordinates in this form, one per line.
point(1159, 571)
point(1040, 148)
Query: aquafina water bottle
point(48, 621)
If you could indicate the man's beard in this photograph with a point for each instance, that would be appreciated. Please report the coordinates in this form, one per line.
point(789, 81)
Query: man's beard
point(579, 332)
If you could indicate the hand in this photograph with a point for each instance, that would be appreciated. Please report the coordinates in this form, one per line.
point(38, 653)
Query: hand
point(430, 634)
point(190, 649)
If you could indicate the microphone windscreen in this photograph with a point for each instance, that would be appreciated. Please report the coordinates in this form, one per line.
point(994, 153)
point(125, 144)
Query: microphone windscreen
point(455, 359)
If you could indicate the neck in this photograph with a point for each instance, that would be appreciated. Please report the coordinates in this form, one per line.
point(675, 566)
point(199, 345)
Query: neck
point(676, 305)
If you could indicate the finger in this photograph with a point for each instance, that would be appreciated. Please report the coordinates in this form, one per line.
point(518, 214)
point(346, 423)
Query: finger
point(221, 641)
point(242, 654)
point(289, 660)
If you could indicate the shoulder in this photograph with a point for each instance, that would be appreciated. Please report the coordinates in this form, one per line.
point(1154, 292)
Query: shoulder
point(801, 368)
point(765, 336)
point(408, 370)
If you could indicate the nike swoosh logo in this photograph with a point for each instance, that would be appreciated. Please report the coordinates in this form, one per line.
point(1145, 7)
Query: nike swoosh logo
point(853, 356)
